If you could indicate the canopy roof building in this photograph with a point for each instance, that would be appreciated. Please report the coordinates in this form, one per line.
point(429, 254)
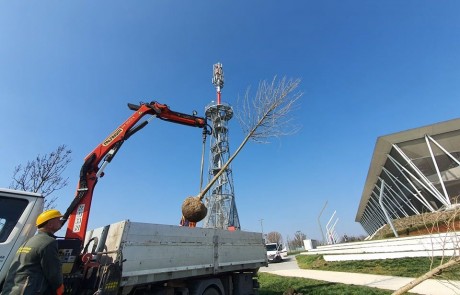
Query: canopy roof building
point(411, 172)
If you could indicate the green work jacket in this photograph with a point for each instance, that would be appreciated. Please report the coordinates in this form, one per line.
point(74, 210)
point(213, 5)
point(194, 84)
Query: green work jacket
point(36, 267)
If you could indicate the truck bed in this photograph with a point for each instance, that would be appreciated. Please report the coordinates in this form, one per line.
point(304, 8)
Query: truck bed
point(155, 252)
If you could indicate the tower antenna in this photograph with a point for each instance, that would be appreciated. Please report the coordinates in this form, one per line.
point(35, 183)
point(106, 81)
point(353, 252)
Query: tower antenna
point(218, 79)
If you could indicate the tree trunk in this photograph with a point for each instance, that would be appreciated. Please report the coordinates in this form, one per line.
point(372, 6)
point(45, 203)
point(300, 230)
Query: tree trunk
point(426, 276)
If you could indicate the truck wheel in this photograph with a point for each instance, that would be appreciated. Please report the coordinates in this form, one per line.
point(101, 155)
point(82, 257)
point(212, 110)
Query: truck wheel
point(211, 291)
point(207, 287)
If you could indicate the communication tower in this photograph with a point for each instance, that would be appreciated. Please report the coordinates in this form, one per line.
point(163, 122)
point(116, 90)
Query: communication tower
point(220, 199)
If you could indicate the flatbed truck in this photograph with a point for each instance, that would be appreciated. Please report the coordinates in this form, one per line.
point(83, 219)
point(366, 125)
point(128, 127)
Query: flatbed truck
point(129, 257)
point(140, 258)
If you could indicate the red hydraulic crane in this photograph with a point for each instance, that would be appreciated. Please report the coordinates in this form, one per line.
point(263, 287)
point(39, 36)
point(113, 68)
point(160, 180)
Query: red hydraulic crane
point(79, 209)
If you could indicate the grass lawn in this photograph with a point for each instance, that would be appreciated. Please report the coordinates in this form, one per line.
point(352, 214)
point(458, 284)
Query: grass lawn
point(277, 285)
point(403, 267)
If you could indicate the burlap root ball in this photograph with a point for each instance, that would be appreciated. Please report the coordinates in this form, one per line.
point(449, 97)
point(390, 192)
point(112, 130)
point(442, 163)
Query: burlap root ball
point(193, 209)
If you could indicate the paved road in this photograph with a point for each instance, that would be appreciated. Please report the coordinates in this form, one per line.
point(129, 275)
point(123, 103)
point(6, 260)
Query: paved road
point(289, 268)
point(288, 263)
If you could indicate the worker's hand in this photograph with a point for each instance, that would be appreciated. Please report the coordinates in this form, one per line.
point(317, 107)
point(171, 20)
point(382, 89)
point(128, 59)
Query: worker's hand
point(60, 290)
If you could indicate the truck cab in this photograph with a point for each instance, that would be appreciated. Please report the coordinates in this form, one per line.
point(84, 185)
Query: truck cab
point(18, 212)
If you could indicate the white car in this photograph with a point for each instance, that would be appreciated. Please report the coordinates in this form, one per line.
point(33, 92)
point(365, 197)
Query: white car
point(275, 253)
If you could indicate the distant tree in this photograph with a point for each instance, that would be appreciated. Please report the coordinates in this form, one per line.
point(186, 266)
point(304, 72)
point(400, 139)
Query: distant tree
point(346, 239)
point(288, 243)
point(297, 241)
point(274, 237)
point(43, 174)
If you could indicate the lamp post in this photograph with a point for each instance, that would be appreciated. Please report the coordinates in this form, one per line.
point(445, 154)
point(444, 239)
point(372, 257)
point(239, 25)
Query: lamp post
point(262, 227)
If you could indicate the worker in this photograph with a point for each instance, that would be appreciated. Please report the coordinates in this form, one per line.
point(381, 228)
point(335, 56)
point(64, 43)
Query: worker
point(185, 222)
point(36, 267)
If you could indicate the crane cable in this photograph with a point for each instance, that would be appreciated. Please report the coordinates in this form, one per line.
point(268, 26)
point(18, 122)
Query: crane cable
point(205, 133)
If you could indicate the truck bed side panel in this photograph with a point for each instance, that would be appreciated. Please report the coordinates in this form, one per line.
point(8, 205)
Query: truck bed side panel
point(154, 252)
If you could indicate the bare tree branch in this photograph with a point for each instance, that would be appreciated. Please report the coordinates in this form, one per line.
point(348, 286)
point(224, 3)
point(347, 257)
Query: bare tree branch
point(438, 223)
point(43, 174)
point(267, 115)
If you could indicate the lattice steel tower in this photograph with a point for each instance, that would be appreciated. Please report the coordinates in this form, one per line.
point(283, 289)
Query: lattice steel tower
point(220, 200)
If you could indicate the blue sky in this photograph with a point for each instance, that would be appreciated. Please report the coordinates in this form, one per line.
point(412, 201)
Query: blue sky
point(368, 69)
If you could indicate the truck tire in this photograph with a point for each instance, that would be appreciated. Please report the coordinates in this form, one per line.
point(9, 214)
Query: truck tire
point(211, 291)
point(207, 287)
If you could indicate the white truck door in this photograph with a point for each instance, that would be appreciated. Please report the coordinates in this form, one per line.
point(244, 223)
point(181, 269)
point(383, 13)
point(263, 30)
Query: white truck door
point(18, 212)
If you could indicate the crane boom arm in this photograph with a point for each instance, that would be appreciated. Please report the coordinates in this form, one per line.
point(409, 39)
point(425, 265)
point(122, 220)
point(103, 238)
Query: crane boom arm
point(79, 209)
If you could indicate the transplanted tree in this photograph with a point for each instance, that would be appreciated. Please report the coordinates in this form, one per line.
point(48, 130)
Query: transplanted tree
point(274, 237)
point(262, 117)
point(43, 174)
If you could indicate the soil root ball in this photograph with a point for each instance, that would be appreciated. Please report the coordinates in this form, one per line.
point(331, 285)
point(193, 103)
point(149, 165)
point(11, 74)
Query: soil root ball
point(193, 209)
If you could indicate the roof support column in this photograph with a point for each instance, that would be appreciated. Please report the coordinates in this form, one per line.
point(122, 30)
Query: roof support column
point(384, 211)
point(428, 183)
point(394, 207)
point(428, 186)
point(366, 224)
point(398, 183)
point(377, 210)
point(371, 222)
point(402, 199)
point(444, 150)
point(386, 202)
point(437, 170)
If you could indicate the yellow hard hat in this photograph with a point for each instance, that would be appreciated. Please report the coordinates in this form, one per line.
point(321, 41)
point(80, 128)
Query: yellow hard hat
point(47, 215)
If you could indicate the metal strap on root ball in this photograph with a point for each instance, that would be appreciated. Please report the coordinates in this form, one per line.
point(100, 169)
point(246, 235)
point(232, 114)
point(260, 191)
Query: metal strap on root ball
point(265, 116)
